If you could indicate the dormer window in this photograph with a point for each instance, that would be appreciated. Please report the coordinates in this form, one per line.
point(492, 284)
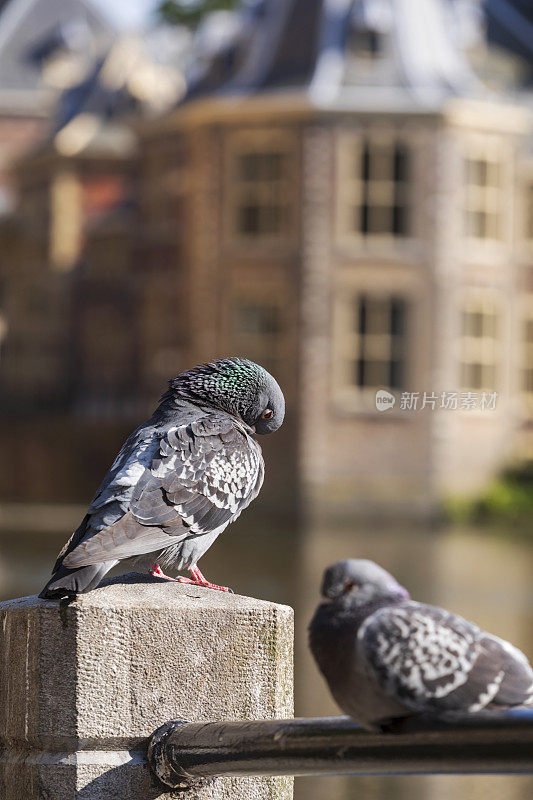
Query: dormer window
point(368, 40)
point(364, 43)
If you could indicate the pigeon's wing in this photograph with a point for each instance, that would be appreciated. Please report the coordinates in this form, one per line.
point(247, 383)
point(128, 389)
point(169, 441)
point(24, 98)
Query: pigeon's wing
point(516, 684)
point(207, 472)
point(112, 499)
point(431, 660)
point(203, 475)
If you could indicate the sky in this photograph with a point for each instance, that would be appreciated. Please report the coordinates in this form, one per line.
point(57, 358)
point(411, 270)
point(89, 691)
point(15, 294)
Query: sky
point(127, 13)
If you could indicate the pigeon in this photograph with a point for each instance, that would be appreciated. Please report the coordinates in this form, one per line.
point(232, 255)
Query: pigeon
point(179, 480)
point(386, 657)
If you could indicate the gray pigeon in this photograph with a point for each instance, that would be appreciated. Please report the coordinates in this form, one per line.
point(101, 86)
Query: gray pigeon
point(180, 478)
point(385, 656)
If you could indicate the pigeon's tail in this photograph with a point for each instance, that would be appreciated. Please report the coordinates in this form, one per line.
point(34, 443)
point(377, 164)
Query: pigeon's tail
point(69, 582)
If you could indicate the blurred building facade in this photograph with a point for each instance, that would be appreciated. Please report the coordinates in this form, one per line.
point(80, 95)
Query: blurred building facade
point(45, 46)
point(72, 296)
point(344, 195)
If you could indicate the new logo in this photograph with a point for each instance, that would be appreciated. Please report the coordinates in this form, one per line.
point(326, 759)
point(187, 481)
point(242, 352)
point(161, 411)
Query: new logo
point(384, 400)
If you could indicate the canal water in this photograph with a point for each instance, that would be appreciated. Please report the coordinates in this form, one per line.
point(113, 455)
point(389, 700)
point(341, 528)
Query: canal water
point(483, 575)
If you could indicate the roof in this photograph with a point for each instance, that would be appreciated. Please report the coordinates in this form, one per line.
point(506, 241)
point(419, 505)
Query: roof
point(32, 32)
point(366, 54)
point(136, 76)
point(510, 25)
point(269, 44)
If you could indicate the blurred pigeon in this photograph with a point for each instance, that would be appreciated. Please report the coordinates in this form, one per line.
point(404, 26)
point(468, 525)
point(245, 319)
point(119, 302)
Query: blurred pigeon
point(180, 478)
point(385, 656)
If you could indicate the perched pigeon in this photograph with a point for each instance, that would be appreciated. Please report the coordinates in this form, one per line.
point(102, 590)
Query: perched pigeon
point(385, 656)
point(180, 479)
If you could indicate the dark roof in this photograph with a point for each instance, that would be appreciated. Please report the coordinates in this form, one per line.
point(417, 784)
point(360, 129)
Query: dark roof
point(510, 25)
point(92, 96)
point(278, 44)
point(294, 59)
point(53, 40)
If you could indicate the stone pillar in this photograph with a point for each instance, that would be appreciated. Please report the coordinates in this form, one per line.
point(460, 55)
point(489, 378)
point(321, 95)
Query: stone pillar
point(82, 687)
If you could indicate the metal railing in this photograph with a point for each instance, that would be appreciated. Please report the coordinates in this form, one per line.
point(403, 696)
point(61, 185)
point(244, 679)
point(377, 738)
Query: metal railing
point(182, 752)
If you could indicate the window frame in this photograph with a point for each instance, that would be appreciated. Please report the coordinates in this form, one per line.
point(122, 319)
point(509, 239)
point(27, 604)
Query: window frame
point(257, 142)
point(347, 394)
point(526, 232)
point(350, 186)
point(65, 226)
point(485, 198)
point(276, 340)
point(526, 355)
point(484, 350)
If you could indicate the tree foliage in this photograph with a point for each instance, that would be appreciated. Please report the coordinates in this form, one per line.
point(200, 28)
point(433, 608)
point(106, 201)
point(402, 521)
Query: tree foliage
point(191, 12)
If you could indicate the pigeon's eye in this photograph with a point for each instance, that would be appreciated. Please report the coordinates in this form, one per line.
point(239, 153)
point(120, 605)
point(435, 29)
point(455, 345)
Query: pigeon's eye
point(350, 586)
point(267, 414)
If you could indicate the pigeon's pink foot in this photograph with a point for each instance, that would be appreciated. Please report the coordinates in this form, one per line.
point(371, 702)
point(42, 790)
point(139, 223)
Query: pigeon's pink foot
point(199, 580)
point(157, 572)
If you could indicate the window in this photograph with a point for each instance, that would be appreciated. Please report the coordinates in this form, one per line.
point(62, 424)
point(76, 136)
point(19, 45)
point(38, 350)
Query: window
point(483, 197)
point(4, 327)
point(65, 221)
point(527, 364)
point(364, 43)
point(529, 213)
point(479, 345)
point(101, 194)
point(373, 181)
point(104, 362)
point(371, 337)
point(261, 185)
point(256, 332)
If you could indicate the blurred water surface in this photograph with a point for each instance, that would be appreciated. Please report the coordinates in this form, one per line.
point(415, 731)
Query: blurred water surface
point(485, 576)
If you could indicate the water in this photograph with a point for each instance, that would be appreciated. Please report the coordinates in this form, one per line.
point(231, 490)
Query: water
point(485, 577)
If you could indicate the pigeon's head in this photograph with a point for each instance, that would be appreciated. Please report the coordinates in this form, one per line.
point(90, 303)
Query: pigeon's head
point(356, 582)
point(238, 386)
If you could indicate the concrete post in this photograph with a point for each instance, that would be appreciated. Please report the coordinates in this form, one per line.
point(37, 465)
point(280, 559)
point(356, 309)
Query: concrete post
point(81, 688)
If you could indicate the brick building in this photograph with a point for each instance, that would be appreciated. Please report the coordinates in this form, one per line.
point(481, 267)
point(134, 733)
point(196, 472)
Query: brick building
point(353, 200)
point(44, 47)
point(342, 196)
point(73, 290)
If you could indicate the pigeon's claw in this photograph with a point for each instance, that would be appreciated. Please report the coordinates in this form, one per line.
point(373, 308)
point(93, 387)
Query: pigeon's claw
point(157, 572)
point(199, 580)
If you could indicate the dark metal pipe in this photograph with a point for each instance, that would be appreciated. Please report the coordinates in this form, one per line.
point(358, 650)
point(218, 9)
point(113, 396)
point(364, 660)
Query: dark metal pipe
point(182, 752)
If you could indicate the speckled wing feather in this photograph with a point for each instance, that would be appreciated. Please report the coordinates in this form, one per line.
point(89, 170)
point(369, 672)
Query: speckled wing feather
point(431, 660)
point(112, 499)
point(200, 479)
